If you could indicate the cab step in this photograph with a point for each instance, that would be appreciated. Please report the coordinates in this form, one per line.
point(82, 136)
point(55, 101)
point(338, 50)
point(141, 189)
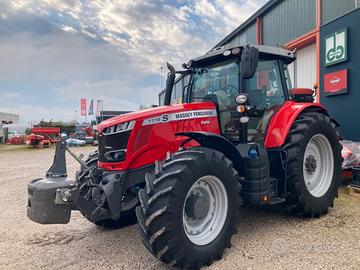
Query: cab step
point(276, 200)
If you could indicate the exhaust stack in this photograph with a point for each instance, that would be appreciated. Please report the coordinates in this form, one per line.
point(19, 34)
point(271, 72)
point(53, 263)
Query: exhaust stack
point(169, 83)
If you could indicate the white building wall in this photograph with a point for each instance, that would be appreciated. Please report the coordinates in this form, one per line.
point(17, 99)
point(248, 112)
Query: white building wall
point(7, 117)
point(305, 67)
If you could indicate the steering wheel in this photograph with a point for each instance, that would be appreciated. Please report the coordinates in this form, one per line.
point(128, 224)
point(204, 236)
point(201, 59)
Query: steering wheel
point(258, 98)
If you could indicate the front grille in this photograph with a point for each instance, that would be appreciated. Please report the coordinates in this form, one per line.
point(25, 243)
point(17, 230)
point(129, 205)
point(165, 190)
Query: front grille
point(112, 142)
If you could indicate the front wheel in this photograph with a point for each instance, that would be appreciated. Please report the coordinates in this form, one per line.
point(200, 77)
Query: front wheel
point(187, 213)
point(313, 165)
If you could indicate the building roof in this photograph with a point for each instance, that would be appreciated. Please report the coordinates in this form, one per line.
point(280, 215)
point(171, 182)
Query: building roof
point(247, 23)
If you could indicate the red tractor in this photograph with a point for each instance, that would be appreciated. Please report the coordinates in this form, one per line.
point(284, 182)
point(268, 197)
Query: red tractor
point(242, 135)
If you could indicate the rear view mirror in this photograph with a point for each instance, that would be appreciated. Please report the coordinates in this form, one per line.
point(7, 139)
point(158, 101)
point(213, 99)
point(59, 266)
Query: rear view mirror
point(249, 61)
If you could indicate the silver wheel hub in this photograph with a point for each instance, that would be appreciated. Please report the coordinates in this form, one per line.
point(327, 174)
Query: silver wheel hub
point(205, 210)
point(318, 165)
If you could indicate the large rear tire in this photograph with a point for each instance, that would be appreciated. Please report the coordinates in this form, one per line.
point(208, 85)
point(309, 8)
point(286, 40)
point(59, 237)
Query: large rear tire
point(313, 165)
point(127, 218)
point(188, 211)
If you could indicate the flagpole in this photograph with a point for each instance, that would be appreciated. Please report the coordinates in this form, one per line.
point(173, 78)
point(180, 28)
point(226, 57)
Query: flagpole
point(94, 118)
point(91, 110)
point(86, 112)
point(102, 109)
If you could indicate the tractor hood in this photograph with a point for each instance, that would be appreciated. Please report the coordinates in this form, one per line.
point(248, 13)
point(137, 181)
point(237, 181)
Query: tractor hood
point(154, 112)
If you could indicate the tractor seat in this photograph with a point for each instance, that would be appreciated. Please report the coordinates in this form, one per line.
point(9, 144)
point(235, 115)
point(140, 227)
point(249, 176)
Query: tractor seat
point(302, 94)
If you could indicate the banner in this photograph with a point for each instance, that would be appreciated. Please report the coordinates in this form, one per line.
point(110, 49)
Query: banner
point(83, 106)
point(98, 107)
point(91, 107)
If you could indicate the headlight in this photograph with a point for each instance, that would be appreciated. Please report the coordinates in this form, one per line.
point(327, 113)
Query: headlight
point(241, 98)
point(227, 53)
point(244, 119)
point(116, 155)
point(119, 128)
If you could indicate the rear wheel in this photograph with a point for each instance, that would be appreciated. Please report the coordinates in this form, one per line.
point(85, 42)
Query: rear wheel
point(313, 166)
point(187, 213)
point(127, 217)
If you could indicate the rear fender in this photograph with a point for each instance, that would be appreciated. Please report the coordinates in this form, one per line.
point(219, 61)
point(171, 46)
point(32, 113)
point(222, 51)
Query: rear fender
point(219, 143)
point(282, 121)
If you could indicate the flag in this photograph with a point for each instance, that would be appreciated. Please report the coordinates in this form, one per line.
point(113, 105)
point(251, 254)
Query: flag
point(83, 106)
point(91, 107)
point(98, 107)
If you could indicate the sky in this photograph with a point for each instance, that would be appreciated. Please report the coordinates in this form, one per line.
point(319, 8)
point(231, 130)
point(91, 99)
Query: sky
point(54, 52)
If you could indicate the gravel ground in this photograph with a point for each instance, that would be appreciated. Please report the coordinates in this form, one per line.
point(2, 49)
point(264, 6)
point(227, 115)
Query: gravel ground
point(267, 239)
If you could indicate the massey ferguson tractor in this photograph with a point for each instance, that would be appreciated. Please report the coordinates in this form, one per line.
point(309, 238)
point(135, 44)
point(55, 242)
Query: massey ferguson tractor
point(243, 135)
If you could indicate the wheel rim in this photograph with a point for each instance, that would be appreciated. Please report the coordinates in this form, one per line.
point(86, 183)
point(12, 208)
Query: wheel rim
point(205, 210)
point(318, 165)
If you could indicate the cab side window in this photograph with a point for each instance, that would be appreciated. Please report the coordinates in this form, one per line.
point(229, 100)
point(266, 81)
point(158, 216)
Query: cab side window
point(177, 93)
point(266, 93)
point(162, 98)
point(265, 88)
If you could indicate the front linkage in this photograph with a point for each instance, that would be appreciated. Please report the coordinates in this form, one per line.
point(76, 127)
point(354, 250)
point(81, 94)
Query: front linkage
point(99, 195)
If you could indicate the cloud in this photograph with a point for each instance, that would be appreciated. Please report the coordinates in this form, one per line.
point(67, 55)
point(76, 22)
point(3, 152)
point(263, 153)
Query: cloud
point(60, 57)
point(224, 15)
point(124, 95)
point(9, 96)
point(55, 51)
point(68, 29)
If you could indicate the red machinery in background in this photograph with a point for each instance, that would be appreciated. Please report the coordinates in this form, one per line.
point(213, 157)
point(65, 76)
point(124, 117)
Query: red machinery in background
point(43, 136)
point(16, 140)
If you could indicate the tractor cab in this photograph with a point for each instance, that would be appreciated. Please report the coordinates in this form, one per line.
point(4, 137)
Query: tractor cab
point(219, 77)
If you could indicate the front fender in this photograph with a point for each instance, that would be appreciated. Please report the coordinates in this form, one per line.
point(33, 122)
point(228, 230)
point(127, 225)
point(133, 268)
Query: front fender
point(219, 143)
point(282, 121)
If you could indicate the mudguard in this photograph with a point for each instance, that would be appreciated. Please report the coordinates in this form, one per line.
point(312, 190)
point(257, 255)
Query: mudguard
point(282, 121)
point(219, 143)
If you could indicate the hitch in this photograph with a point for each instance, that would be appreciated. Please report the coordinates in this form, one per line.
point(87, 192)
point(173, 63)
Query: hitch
point(50, 199)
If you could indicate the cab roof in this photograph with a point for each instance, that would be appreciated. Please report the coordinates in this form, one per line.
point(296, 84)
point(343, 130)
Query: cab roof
point(265, 52)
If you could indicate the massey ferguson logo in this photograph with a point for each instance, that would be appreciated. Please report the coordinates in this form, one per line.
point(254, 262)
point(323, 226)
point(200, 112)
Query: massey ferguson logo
point(336, 48)
point(179, 116)
point(335, 80)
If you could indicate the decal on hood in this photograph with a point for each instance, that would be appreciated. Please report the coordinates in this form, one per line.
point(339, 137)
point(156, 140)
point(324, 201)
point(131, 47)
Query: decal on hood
point(179, 116)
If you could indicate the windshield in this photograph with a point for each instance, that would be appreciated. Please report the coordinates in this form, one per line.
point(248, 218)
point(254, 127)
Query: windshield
point(220, 80)
point(219, 84)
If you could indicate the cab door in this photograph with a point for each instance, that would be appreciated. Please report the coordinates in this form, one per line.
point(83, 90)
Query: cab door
point(267, 94)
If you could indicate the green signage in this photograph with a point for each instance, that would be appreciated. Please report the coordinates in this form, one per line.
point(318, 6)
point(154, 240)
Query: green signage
point(336, 47)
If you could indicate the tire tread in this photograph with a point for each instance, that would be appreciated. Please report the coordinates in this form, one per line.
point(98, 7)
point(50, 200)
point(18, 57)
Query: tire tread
point(155, 212)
